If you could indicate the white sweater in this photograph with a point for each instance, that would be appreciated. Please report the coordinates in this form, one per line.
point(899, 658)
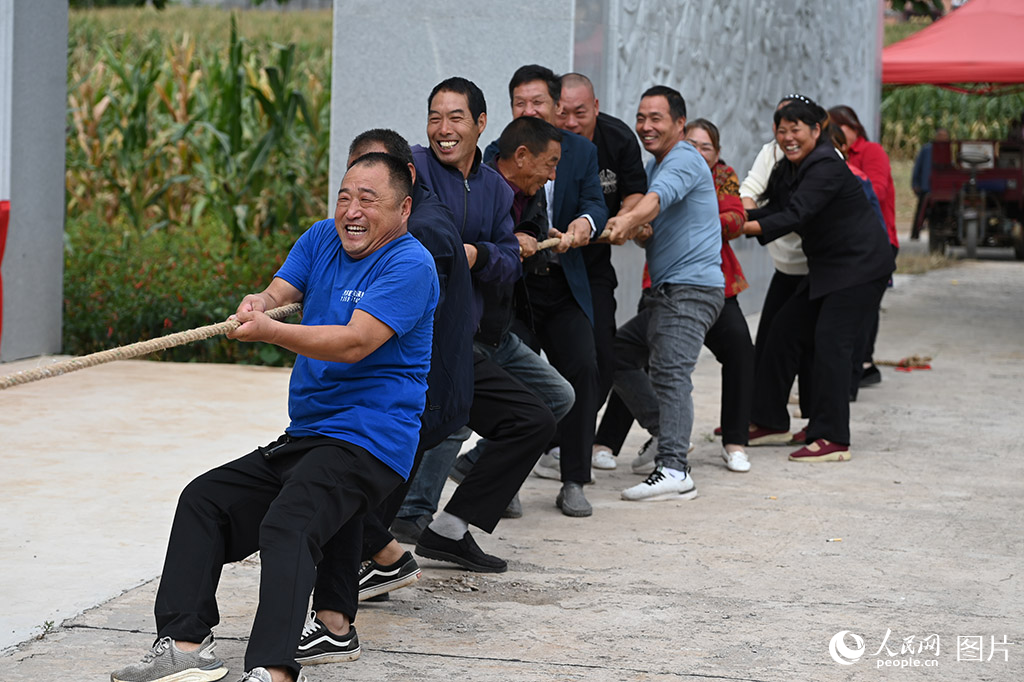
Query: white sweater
point(786, 251)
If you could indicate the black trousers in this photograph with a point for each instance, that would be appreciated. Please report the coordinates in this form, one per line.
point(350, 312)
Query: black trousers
point(567, 337)
point(504, 411)
point(831, 326)
point(603, 295)
point(864, 352)
point(729, 340)
point(286, 507)
point(780, 289)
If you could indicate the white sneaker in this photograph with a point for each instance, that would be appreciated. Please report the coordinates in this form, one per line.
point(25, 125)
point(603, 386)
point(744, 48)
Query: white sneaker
point(549, 465)
point(736, 461)
point(662, 484)
point(644, 461)
point(603, 459)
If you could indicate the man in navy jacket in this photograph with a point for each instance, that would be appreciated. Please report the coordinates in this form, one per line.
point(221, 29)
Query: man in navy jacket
point(559, 291)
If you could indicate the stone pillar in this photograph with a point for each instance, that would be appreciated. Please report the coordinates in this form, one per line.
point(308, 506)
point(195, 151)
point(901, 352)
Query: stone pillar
point(33, 100)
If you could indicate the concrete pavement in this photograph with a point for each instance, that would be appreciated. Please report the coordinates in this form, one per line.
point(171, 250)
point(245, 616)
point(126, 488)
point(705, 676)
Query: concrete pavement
point(740, 584)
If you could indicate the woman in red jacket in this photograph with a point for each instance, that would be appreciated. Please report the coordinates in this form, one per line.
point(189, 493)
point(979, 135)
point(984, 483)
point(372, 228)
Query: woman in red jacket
point(870, 158)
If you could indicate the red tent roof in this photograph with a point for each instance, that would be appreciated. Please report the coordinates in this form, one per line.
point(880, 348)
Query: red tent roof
point(981, 42)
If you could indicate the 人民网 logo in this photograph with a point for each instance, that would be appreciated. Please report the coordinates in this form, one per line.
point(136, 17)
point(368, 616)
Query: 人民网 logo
point(843, 654)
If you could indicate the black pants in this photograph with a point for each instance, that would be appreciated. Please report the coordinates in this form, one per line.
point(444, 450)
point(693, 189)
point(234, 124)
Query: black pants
point(567, 337)
point(603, 295)
point(286, 507)
point(864, 352)
point(780, 289)
point(729, 340)
point(505, 412)
point(831, 326)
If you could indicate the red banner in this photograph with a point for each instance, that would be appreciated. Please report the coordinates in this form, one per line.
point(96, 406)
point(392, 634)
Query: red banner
point(5, 212)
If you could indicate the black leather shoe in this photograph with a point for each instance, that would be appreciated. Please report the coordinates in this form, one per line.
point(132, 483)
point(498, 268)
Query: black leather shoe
point(870, 376)
point(464, 552)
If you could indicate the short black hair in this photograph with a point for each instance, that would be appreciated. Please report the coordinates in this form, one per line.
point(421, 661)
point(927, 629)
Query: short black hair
point(462, 86)
point(808, 112)
point(526, 131)
point(536, 72)
point(676, 103)
point(396, 145)
point(398, 171)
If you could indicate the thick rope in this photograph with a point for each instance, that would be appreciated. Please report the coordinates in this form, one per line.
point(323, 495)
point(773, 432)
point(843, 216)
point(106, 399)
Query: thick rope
point(135, 350)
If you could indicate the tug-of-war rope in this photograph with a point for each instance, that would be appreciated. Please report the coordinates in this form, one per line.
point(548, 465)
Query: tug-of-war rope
point(136, 350)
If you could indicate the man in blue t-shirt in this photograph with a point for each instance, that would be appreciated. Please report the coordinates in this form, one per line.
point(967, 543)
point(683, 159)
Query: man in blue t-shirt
point(687, 291)
point(368, 290)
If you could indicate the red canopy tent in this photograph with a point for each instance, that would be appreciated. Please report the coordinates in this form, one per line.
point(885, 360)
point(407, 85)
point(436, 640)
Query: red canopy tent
point(981, 42)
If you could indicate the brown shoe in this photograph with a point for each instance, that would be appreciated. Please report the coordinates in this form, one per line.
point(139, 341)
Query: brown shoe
point(821, 450)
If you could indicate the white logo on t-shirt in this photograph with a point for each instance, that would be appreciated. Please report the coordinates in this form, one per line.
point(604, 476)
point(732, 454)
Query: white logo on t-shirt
point(351, 296)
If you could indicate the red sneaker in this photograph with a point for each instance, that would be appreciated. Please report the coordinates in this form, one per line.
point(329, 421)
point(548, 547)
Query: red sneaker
point(821, 450)
point(759, 436)
point(718, 430)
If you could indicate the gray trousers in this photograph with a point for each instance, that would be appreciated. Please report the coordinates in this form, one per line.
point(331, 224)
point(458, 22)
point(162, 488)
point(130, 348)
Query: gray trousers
point(665, 336)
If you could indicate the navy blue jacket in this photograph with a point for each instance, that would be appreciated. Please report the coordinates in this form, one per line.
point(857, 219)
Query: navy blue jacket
point(481, 206)
point(450, 380)
point(577, 192)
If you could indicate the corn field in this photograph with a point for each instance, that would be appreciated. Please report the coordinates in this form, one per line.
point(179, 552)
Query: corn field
point(167, 129)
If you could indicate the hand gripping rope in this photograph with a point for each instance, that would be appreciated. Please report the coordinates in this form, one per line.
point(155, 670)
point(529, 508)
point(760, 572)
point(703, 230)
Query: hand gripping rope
point(135, 350)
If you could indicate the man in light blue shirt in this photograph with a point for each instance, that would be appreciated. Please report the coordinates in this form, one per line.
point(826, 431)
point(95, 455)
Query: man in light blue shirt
point(683, 245)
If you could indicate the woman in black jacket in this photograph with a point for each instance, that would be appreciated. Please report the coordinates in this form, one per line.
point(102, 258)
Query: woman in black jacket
point(813, 193)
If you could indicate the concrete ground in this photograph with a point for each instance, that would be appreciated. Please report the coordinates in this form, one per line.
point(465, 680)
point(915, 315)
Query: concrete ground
point(917, 540)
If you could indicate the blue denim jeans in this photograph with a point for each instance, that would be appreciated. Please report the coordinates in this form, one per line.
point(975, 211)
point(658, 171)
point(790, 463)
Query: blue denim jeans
point(521, 362)
point(667, 335)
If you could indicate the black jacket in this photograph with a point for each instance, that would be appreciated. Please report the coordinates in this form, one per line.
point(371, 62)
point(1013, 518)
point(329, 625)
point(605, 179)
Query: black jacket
point(450, 380)
point(822, 201)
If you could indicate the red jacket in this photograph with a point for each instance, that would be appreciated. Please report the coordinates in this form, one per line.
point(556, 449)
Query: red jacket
point(872, 159)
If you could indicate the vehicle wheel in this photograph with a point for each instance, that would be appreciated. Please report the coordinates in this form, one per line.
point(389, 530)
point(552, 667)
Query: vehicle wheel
point(971, 236)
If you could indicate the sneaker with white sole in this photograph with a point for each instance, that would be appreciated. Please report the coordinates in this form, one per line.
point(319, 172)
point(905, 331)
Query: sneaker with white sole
point(736, 461)
point(603, 459)
point(167, 663)
point(319, 645)
point(644, 464)
point(375, 579)
point(549, 465)
point(263, 675)
point(662, 484)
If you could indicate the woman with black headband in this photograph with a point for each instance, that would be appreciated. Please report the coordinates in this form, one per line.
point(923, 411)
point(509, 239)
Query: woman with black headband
point(813, 193)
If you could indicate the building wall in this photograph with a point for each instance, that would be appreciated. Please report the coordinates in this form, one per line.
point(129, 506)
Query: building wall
point(33, 44)
point(731, 60)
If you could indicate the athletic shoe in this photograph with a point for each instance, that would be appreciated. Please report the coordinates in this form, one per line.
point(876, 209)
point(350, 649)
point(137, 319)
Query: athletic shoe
point(662, 484)
point(736, 461)
point(514, 510)
point(821, 450)
point(263, 675)
point(799, 438)
point(572, 502)
point(643, 463)
point(375, 579)
point(759, 436)
point(549, 465)
point(603, 459)
point(718, 430)
point(167, 663)
point(320, 645)
point(464, 552)
point(460, 469)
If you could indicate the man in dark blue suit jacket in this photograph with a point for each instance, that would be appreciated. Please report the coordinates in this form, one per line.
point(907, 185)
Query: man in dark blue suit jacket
point(558, 287)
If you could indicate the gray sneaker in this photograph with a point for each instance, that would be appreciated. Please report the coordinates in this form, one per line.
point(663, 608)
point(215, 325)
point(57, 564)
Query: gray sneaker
point(572, 502)
point(644, 461)
point(263, 675)
point(166, 663)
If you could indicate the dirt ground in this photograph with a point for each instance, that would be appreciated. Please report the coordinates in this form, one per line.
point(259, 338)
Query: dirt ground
point(914, 546)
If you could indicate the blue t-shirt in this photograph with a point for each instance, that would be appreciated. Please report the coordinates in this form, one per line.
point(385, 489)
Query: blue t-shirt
point(686, 246)
point(374, 403)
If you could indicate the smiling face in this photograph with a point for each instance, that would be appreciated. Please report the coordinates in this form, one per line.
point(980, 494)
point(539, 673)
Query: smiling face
point(533, 99)
point(700, 139)
point(452, 132)
point(577, 110)
point(658, 132)
point(369, 213)
point(796, 139)
point(532, 171)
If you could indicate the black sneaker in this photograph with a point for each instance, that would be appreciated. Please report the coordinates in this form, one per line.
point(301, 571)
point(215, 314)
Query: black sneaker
point(320, 645)
point(375, 579)
point(464, 552)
